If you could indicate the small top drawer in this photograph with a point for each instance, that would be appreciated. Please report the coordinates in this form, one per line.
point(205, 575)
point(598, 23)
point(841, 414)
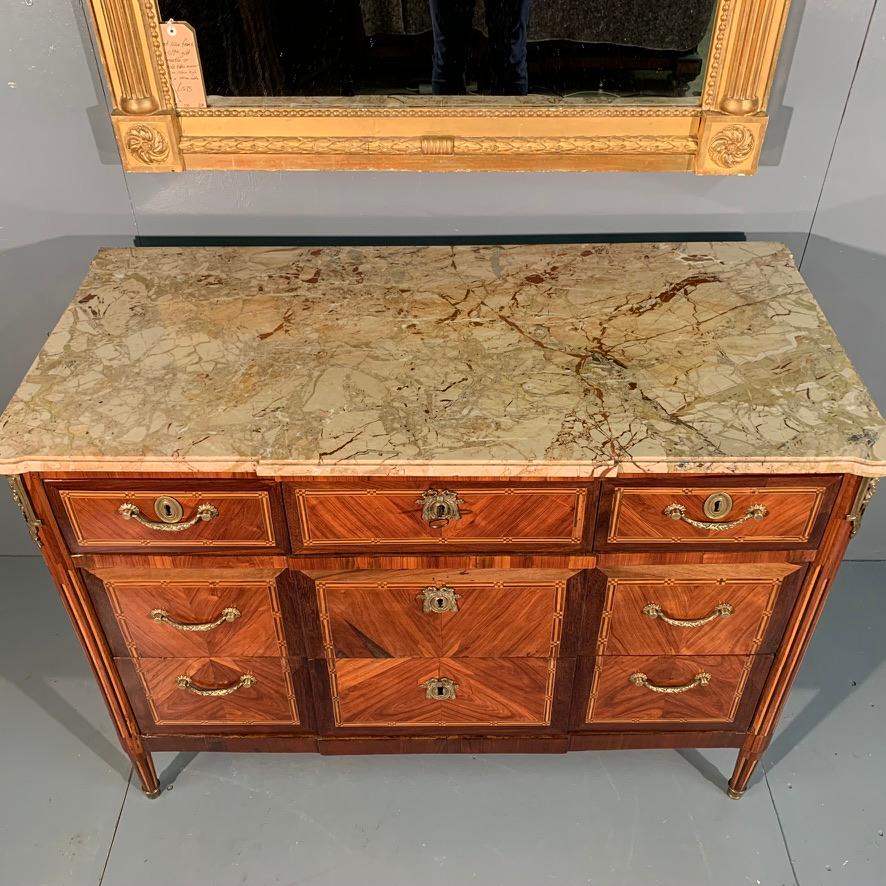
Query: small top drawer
point(168, 516)
point(425, 517)
point(753, 512)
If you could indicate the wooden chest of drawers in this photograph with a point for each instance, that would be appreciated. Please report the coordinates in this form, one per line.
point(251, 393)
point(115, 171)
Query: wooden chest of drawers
point(330, 567)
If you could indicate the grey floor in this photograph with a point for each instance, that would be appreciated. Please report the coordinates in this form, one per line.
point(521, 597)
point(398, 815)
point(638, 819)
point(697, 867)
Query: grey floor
point(816, 816)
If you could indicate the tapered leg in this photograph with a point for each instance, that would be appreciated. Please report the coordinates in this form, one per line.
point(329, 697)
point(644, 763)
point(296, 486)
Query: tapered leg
point(806, 613)
point(741, 775)
point(88, 629)
point(144, 767)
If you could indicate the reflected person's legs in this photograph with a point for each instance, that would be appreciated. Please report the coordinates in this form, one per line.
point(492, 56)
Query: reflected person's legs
point(508, 23)
point(451, 21)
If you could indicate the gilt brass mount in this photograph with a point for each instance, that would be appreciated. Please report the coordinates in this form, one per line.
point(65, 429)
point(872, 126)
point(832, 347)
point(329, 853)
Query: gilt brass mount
point(678, 512)
point(205, 512)
point(439, 506)
point(721, 610)
point(440, 689)
point(639, 679)
point(717, 505)
point(168, 509)
point(439, 599)
point(862, 500)
point(161, 616)
point(20, 497)
point(185, 682)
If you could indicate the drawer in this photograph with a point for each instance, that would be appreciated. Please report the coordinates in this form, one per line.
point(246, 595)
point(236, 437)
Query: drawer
point(397, 692)
point(662, 690)
point(169, 516)
point(695, 609)
point(477, 613)
point(194, 612)
point(217, 691)
point(771, 512)
point(418, 517)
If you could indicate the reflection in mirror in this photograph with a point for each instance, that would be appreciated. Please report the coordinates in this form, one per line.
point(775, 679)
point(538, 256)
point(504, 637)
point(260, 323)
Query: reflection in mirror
point(583, 50)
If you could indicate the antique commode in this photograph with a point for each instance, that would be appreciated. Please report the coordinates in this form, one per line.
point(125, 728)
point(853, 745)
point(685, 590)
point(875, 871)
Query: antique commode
point(483, 499)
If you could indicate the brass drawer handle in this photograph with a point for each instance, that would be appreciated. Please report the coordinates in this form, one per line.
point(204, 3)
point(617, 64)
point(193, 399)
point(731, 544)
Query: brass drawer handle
point(185, 682)
point(678, 512)
point(442, 599)
point(161, 616)
point(439, 506)
point(206, 512)
point(440, 688)
point(721, 610)
point(639, 679)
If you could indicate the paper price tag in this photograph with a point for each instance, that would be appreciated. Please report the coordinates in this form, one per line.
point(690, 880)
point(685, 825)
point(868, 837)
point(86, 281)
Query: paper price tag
point(185, 70)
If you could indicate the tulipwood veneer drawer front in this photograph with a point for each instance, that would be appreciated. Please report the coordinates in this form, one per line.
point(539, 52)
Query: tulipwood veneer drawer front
point(714, 690)
point(194, 612)
point(402, 692)
point(457, 516)
point(695, 609)
point(217, 691)
point(771, 512)
point(169, 516)
point(480, 613)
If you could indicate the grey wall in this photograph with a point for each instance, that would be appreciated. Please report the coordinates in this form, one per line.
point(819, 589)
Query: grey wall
point(820, 189)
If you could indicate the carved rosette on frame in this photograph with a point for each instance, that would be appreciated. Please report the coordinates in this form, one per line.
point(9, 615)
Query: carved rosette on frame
point(730, 145)
point(148, 144)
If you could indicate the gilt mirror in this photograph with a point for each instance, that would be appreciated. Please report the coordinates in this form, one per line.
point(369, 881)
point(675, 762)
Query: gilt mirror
point(678, 85)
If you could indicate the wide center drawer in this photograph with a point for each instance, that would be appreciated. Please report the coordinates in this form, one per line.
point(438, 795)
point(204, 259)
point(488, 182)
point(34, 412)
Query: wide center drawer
point(443, 692)
point(414, 517)
point(453, 613)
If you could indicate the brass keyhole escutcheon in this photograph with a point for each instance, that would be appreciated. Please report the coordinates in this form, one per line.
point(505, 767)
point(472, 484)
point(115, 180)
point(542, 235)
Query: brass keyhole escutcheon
point(718, 505)
point(439, 507)
point(168, 510)
point(439, 599)
point(440, 689)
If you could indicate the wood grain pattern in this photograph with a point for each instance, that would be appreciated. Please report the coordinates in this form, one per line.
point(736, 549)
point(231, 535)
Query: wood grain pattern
point(632, 513)
point(271, 700)
point(249, 515)
point(523, 616)
point(193, 598)
point(692, 593)
point(491, 692)
point(491, 517)
point(614, 699)
point(500, 614)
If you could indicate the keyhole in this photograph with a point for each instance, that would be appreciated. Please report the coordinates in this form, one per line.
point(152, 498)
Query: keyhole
point(717, 505)
point(440, 602)
point(440, 511)
point(167, 510)
point(440, 690)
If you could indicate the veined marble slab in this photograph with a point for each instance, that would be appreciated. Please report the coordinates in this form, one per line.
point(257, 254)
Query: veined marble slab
point(543, 360)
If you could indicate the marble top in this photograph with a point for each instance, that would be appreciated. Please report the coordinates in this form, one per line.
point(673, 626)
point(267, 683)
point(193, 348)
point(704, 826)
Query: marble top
point(541, 360)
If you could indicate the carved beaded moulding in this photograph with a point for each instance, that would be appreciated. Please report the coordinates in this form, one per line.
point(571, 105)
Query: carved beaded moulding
point(722, 135)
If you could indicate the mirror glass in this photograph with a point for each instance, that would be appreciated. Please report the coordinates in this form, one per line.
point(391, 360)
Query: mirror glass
point(598, 51)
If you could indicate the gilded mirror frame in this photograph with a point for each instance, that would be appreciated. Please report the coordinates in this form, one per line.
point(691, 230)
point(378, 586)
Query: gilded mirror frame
point(722, 135)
